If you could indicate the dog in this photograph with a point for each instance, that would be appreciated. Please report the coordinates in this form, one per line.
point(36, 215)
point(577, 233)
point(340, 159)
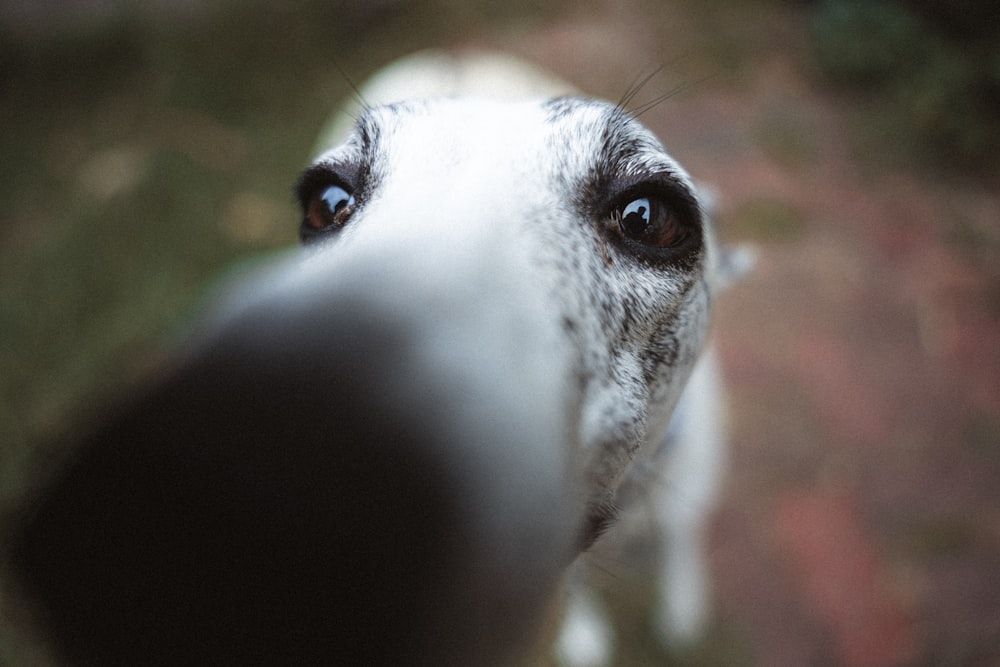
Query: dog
point(394, 447)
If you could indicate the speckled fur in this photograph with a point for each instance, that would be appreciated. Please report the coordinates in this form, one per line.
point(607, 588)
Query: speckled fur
point(493, 159)
point(633, 320)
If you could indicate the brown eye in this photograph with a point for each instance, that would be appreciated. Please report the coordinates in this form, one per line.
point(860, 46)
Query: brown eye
point(649, 221)
point(329, 209)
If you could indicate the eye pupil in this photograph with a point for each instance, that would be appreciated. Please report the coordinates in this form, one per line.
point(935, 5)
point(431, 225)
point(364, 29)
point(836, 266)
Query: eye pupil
point(649, 221)
point(635, 217)
point(336, 198)
point(330, 209)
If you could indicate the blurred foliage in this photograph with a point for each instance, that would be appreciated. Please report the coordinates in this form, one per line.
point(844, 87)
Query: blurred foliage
point(930, 69)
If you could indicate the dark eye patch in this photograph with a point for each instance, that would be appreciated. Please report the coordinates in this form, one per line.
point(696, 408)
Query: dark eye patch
point(328, 195)
point(328, 210)
point(655, 219)
point(632, 191)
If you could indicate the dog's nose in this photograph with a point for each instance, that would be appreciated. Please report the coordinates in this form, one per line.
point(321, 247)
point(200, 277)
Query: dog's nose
point(310, 488)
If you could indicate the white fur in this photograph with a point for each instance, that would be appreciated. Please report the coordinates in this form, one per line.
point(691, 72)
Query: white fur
point(474, 204)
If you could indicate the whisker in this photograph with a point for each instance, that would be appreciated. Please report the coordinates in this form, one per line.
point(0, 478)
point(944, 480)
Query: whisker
point(355, 90)
point(636, 86)
point(676, 90)
point(608, 567)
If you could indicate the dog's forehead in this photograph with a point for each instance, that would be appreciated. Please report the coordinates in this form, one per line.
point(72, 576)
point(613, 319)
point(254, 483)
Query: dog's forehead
point(459, 121)
point(452, 138)
point(571, 135)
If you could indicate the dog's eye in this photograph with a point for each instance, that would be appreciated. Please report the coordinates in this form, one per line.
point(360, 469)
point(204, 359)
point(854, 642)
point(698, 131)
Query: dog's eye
point(649, 221)
point(328, 209)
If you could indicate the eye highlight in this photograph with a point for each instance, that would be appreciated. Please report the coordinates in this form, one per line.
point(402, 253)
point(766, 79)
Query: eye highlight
point(650, 221)
point(328, 210)
point(634, 218)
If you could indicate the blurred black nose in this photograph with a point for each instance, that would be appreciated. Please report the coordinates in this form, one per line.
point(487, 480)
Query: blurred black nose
point(297, 491)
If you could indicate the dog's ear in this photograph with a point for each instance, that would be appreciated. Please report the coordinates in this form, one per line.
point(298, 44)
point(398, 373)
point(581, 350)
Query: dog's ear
point(731, 262)
point(708, 200)
point(735, 262)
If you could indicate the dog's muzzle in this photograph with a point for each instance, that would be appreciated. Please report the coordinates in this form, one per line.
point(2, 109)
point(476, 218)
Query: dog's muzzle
point(353, 464)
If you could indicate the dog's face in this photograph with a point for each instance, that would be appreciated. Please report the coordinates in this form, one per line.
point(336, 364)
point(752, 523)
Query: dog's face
point(390, 451)
point(516, 227)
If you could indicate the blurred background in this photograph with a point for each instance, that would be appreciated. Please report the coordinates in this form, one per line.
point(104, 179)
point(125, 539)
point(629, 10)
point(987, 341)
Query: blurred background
point(146, 147)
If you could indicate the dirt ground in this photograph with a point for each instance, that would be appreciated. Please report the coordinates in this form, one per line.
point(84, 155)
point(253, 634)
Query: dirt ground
point(860, 523)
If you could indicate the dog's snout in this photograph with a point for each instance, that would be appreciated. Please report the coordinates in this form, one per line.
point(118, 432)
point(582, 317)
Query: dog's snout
point(308, 487)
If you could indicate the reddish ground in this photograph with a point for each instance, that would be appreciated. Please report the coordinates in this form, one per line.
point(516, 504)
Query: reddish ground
point(861, 519)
